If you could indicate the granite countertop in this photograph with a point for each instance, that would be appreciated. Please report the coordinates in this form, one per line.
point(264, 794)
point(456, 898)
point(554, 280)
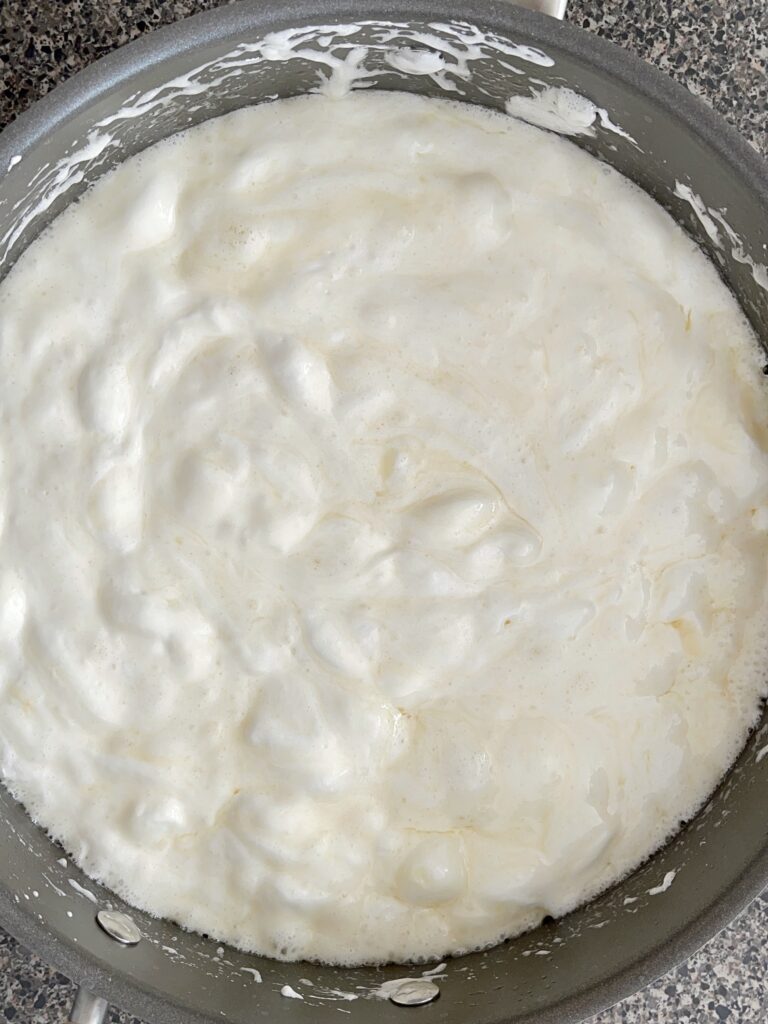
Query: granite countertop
point(719, 49)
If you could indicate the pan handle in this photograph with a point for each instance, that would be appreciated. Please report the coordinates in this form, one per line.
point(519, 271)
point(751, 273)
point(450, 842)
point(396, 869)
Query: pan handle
point(555, 8)
point(87, 1008)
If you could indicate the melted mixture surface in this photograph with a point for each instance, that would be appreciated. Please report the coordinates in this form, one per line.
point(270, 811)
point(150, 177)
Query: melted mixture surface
point(383, 510)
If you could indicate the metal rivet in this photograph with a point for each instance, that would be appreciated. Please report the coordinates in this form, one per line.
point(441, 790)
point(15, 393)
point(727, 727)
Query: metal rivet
point(119, 927)
point(414, 992)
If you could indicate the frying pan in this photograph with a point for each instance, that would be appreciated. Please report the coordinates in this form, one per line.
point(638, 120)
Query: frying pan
point(565, 970)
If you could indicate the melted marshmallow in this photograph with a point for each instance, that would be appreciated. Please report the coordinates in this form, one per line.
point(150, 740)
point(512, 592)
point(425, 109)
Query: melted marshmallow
point(383, 511)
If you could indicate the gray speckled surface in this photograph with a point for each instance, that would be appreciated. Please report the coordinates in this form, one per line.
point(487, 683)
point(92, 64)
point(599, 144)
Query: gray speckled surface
point(720, 51)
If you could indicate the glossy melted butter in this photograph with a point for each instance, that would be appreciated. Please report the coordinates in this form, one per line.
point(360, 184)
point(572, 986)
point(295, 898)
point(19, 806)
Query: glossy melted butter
point(383, 510)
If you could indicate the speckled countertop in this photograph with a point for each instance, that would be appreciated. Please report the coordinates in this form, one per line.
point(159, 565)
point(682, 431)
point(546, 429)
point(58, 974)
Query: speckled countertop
point(720, 51)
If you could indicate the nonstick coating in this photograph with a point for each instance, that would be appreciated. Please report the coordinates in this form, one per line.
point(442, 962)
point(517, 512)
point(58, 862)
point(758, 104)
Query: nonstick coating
point(565, 970)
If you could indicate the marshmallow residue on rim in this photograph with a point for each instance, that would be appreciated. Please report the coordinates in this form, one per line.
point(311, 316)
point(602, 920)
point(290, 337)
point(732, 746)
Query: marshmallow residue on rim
point(373, 583)
point(709, 219)
point(564, 111)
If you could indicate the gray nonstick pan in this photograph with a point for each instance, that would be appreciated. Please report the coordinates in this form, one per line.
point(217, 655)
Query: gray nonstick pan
point(687, 158)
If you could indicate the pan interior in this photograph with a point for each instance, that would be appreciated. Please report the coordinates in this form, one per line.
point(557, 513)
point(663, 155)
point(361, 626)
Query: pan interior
point(564, 969)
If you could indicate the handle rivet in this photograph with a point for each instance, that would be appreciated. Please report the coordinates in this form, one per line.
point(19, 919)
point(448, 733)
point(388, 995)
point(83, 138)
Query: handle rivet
point(119, 927)
point(414, 992)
